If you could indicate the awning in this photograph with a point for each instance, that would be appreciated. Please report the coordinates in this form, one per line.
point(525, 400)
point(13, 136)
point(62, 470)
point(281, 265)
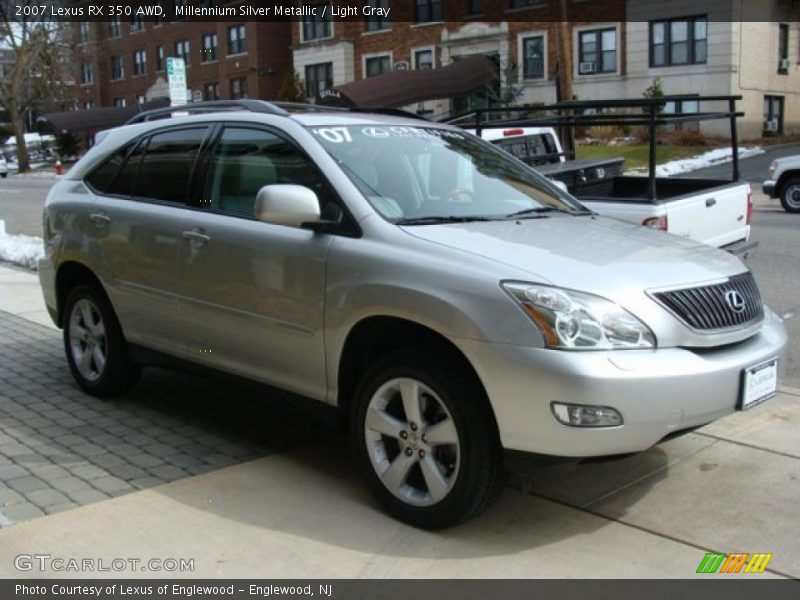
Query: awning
point(94, 119)
point(399, 88)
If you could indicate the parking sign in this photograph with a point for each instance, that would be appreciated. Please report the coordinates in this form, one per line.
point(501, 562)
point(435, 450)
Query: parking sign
point(176, 74)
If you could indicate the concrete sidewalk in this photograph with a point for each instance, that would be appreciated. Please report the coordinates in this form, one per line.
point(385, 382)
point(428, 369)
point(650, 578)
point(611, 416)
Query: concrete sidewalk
point(729, 487)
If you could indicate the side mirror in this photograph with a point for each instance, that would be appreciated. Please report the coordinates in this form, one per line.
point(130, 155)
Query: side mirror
point(286, 204)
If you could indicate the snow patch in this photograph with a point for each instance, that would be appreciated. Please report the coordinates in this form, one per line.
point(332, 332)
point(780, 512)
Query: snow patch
point(711, 158)
point(24, 250)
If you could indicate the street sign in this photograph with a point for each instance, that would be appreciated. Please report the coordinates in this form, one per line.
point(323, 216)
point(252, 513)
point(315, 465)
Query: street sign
point(176, 74)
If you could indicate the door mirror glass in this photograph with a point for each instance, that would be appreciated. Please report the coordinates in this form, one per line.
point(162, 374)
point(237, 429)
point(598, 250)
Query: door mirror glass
point(286, 204)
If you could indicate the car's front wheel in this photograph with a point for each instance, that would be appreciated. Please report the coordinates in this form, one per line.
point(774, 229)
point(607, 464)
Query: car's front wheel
point(96, 349)
point(790, 196)
point(426, 439)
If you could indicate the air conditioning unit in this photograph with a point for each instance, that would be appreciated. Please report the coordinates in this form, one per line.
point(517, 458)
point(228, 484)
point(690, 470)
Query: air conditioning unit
point(783, 64)
point(771, 126)
point(587, 67)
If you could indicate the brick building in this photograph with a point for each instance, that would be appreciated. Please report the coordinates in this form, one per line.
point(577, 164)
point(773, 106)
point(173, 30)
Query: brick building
point(121, 62)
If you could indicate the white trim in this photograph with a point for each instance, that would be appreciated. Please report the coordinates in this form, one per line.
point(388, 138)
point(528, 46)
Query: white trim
point(542, 33)
point(576, 50)
point(364, 58)
point(416, 49)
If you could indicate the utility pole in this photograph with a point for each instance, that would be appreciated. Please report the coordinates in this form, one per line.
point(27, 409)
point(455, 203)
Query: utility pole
point(563, 30)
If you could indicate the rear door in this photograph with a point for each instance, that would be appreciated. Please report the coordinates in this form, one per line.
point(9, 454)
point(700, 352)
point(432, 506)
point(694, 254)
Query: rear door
point(137, 225)
point(252, 293)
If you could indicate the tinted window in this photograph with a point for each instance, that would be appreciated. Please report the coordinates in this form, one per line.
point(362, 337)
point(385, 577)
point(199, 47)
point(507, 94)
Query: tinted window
point(167, 164)
point(103, 176)
point(245, 160)
point(123, 182)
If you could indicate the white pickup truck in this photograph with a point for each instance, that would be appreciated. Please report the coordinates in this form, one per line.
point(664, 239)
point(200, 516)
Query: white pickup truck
point(715, 212)
point(783, 181)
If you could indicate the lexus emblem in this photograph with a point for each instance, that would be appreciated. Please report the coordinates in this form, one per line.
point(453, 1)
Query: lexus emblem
point(735, 301)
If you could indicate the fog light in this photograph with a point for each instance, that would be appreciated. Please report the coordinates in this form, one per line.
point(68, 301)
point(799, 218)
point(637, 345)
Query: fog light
point(581, 415)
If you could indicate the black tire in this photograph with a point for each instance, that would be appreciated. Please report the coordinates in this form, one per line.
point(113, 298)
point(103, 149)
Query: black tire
point(790, 195)
point(118, 374)
point(476, 481)
point(3, 175)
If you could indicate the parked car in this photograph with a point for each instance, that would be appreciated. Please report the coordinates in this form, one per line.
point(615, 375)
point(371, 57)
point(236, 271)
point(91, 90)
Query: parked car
point(714, 212)
point(783, 181)
point(442, 300)
point(3, 167)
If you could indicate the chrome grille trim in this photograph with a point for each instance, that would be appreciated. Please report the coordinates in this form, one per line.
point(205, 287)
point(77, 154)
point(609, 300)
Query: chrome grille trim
point(704, 308)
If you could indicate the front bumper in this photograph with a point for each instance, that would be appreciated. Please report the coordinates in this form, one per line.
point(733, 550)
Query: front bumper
point(768, 187)
point(657, 391)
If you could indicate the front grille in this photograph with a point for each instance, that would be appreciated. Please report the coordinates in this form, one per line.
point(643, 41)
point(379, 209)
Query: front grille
point(706, 307)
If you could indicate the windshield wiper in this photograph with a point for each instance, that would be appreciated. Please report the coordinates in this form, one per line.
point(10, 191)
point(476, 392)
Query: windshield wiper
point(540, 211)
point(436, 220)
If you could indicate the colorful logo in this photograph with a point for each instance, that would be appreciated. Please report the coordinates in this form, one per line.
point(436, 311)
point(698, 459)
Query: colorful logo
point(736, 562)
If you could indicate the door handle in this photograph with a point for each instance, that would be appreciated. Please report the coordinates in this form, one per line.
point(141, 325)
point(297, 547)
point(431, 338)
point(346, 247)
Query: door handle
point(100, 219)
point(195, 235)
point(710, 202)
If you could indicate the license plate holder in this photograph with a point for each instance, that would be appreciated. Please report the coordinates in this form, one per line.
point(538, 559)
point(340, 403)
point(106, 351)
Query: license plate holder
point(759, 384)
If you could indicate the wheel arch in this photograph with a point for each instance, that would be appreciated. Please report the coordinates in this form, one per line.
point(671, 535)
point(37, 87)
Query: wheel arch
point(70, 274)
point(375, 336)
point(785, 178)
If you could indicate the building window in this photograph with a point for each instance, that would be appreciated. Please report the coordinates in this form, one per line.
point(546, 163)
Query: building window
point(87, 75)
point(377, 65)
point(211, 91)
point(182, 50)
point(525, 3)
point(238, 88)
point(423, 59)
point(533, 50)
point(140, 99)
point(316, 27)
point(237, 38)
point(88, 105)
point(678, 42)
point(139, 62)
point(114, 28)
point(159, 58)
point(773, 115)
point(209, 49)
point(474, 7)
point(318, 79)
point(84, 31)
point(117, 68)
point(119, 102)
point(374, 22)
point(783, 48)
point(137, 23)
point(427, 11)
point(597, 50)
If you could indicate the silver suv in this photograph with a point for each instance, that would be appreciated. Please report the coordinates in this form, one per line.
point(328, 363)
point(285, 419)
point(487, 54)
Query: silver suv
point(441, 298)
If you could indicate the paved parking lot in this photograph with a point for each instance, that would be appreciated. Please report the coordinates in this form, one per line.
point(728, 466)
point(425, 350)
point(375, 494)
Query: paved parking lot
point(60, 448)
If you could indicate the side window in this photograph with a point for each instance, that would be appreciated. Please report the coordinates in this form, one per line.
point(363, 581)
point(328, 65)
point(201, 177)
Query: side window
point(245, 160)
point(123, 182)
point(101, 178)
point(167, 164)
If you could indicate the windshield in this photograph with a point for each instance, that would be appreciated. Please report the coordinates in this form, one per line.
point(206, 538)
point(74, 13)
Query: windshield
point(426, 175)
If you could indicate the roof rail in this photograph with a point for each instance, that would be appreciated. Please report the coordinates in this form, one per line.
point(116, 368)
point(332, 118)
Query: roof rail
point(397, 112)
point(258, 106)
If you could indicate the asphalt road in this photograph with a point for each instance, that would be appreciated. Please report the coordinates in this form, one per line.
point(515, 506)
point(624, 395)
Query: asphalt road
point(776, 263)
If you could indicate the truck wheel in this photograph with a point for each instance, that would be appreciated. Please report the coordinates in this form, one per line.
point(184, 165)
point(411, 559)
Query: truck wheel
point(96, 349)
point(790, 196)
point(426, 440)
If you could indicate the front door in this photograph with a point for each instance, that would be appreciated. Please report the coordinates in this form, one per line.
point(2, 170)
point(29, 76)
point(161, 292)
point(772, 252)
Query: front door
point(252, 293)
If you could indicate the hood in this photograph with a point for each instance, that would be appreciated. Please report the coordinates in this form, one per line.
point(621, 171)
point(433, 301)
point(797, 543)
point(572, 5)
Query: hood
point(595, 254)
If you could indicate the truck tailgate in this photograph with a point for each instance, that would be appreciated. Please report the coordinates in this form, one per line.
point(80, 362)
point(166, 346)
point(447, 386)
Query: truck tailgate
point(717, 216)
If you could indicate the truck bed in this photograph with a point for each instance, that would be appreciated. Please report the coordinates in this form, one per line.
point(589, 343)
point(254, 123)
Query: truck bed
point(627, 188)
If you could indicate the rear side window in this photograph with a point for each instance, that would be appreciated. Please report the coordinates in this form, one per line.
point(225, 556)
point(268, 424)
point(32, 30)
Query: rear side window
point(123, 182)
point(166, 167)
point(101, 178)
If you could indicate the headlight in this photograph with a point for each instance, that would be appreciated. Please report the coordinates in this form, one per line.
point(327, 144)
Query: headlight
point(572, 320)
point(772, 167)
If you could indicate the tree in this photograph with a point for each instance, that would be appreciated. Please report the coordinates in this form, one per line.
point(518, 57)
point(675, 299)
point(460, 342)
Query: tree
point(41, 72)
point(291, 89)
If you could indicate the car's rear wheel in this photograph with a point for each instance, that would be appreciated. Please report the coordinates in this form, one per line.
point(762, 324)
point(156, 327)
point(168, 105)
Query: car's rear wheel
point(426, 439)
point(790, 196)
point(95, 346)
